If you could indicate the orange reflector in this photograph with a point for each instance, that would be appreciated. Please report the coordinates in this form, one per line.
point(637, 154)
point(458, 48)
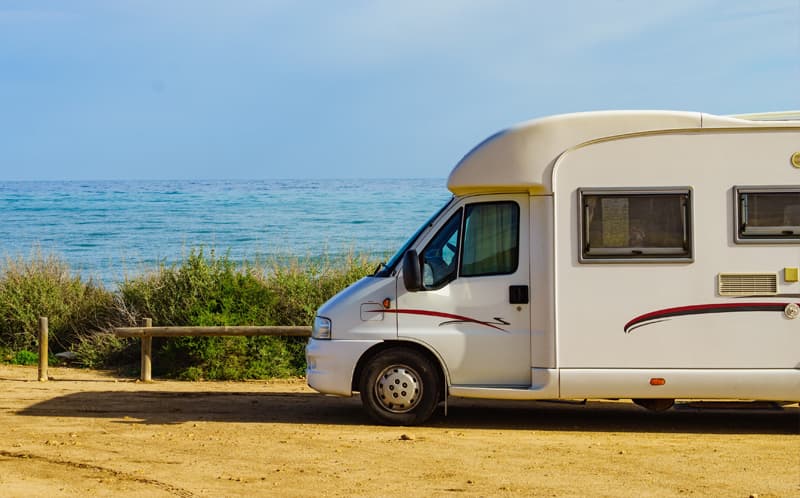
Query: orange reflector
point(387, 303)
point(657, 381)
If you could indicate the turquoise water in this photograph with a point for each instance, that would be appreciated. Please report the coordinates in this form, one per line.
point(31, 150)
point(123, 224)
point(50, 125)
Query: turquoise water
point(109, 229)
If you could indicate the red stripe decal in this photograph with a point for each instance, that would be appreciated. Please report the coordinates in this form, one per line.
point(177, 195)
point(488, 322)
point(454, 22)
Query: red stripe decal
point(698, 309)
point(440, 314)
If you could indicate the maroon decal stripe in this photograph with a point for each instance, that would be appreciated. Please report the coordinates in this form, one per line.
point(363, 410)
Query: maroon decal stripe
point(441, 315)
point(698, 309)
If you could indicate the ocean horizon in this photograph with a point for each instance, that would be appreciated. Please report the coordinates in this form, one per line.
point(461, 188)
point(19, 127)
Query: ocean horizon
point(110, 230)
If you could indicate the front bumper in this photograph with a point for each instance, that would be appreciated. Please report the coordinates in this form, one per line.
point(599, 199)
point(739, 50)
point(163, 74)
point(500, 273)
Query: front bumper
point(331, 363)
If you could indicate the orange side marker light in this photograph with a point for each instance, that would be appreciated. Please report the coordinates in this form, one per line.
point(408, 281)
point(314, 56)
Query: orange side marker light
point(657, 381)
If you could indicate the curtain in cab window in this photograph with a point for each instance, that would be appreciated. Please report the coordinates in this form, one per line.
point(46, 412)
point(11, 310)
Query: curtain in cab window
point(491, 239)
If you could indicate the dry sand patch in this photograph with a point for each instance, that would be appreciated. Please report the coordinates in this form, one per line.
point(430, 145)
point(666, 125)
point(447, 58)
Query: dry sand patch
point(88, 433)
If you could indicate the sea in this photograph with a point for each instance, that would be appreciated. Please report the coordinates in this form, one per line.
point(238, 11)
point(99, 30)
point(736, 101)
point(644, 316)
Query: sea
point(112, 230)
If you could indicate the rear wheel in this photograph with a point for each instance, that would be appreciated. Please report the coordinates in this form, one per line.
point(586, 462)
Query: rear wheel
point(400, 387)
point(655, 405)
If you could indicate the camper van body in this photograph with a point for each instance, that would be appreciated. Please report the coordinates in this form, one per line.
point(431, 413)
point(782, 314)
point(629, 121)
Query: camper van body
point(623, 254)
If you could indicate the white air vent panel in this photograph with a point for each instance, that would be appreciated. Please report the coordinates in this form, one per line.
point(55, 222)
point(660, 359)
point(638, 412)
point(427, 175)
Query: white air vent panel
point(747, 284)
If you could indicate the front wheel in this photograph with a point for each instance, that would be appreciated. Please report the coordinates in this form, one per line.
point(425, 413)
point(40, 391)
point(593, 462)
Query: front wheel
point(400, 387)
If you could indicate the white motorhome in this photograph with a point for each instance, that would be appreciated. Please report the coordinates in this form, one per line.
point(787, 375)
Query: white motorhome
point(650, 255)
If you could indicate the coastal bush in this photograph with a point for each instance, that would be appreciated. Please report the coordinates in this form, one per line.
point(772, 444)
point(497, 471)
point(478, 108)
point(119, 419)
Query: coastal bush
point(209, 290)
point(102, 349)
point(202, 289)
point(301, 286)
point(44, 286)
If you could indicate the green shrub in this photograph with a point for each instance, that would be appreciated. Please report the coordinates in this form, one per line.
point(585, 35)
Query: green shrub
point(201, 290)
point(104, 349)
point(6, 354)
point(211, 290)
point(44, 286)
point(25, 357)
point(302, 286)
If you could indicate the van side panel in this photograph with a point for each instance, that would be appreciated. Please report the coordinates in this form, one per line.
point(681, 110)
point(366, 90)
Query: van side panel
point(595, 301)
point(760, 384)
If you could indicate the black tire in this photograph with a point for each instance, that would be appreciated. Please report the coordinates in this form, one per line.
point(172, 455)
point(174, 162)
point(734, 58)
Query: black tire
point(400, 387)
point(655, 405)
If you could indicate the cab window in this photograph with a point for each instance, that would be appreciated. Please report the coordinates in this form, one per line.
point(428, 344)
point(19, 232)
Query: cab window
point(491, 239)
point(440, 256)
point(481, 239)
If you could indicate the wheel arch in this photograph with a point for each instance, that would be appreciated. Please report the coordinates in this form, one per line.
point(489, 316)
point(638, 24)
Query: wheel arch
point(444, 378)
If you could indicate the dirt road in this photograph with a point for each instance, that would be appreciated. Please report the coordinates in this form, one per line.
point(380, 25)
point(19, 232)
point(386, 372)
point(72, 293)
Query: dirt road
point(89, 434)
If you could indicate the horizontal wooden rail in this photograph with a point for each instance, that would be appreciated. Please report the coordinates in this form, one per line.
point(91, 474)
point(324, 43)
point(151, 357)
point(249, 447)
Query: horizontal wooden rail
point(148, 332)
point(295, 331)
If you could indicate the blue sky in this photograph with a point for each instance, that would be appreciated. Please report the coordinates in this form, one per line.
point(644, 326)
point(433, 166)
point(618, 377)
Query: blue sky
point(102, 89)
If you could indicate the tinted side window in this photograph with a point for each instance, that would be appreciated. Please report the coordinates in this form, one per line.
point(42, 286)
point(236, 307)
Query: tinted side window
point(440, 256)
point(635, 225)
point(491, 239)
point(767, 214)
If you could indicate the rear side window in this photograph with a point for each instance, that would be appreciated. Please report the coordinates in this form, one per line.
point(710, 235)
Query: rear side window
point(767, 214)
point(635, 225)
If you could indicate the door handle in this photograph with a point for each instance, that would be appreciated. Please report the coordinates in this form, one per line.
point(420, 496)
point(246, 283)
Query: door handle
point(518, 294)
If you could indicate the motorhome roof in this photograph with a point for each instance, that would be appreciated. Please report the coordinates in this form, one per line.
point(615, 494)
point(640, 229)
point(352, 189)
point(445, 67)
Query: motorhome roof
point(520, 158)
point(770, 116)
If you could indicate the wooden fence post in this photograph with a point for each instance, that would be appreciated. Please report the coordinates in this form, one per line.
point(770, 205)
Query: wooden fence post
point(147, 353)
point(43, 338)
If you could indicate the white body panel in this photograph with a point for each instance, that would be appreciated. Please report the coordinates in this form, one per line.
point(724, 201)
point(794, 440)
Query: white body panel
point(357, 311)
point(610, 295)
point(759, 384)
point(584, 331)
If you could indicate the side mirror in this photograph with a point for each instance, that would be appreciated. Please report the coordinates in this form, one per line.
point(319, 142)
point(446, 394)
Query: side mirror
point(412, 274)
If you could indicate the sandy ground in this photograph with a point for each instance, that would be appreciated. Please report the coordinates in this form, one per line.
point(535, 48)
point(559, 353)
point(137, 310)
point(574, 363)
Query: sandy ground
point(86, 433)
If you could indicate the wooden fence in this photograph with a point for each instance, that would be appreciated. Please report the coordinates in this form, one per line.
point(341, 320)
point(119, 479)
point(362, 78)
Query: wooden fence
point(147, 333)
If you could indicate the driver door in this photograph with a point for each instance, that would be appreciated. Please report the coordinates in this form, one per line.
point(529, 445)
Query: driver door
point(473, 309)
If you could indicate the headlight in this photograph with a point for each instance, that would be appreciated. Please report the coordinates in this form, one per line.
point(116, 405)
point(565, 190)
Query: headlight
point(322, 328)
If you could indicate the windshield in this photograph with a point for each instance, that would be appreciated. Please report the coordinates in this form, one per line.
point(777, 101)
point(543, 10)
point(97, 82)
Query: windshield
point(387, 269)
